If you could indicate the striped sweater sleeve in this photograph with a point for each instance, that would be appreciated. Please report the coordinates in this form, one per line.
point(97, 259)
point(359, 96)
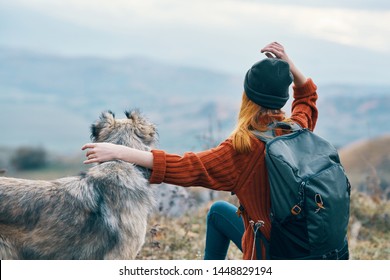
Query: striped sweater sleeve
point(217, 168)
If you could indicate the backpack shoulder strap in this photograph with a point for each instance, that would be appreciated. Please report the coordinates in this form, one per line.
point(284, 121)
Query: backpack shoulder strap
point(269, 134)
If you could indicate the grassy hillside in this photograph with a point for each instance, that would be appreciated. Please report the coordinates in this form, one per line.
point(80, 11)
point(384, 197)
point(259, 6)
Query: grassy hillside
point(369, 227)
point(367, 164)
point(183, 237)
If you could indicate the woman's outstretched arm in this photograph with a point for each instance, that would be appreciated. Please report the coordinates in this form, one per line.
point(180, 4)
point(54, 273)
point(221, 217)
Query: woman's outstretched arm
point(101, 152)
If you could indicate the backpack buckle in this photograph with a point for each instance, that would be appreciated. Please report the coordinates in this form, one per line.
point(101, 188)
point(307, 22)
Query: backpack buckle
point(319, 202)
point(296, 210)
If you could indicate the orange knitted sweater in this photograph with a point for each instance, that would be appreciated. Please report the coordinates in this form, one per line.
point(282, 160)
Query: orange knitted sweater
point(222, 168)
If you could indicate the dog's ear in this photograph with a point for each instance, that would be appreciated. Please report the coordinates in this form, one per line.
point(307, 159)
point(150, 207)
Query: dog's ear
point(144, 129)
point(133, 115)
point(150, 134)
point(106, 119)
point(109, 114)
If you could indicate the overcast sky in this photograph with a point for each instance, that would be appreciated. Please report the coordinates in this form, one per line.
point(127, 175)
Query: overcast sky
point(333, 41)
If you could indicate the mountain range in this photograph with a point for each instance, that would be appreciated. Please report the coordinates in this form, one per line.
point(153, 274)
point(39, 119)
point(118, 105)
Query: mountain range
point(51, 101)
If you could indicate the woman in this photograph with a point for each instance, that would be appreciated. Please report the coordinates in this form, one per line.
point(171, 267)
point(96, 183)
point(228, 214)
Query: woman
point(236, 165)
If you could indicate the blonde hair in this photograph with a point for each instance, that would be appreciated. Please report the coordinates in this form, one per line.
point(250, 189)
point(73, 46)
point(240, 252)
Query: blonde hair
point(252, 117)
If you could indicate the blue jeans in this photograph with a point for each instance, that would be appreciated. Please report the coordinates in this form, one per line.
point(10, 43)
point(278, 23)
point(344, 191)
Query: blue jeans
point(223, 226)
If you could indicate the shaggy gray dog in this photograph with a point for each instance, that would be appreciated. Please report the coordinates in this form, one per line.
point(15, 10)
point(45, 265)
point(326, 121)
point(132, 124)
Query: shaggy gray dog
point(101, 214)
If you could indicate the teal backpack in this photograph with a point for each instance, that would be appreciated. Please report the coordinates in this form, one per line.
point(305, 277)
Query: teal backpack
point(310, 195)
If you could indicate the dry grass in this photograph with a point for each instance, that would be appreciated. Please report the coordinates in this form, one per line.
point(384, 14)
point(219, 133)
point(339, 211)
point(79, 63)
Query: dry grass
point(369, 232)
point(183, 237)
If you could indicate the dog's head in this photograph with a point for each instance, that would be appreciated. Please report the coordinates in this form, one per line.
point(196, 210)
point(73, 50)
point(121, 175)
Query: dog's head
point(133, 131)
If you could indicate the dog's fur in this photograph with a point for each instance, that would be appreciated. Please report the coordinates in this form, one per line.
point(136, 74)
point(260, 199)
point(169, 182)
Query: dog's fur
point(101, 214)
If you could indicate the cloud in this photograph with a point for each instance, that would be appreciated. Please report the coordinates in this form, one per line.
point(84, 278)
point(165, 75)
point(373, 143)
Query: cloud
point(357, 28)
point(353, 27)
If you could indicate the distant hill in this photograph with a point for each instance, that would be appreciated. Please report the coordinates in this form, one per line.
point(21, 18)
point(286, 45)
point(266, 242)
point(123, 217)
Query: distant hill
point(367, 163)
point(51, 101)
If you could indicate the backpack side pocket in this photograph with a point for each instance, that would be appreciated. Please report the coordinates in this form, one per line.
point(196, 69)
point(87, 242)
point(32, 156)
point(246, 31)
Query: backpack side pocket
point(327, 199)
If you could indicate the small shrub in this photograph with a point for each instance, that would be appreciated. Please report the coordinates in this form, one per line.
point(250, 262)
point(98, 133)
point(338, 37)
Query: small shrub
point(28, 158)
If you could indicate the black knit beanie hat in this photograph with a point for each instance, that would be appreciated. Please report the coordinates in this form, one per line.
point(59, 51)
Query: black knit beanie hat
point(267, 83)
